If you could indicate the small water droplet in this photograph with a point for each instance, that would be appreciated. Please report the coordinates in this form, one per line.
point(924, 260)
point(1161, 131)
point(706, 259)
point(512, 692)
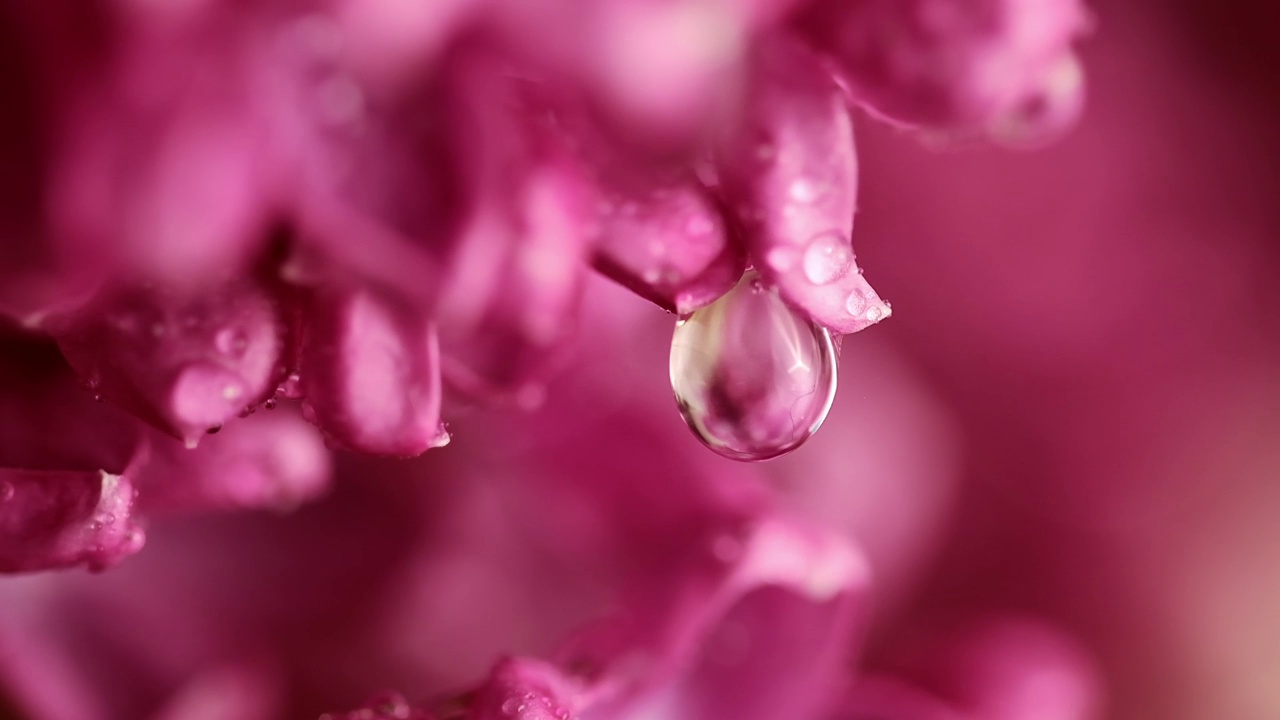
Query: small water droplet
point(781, 259)
point(511, 706)
point(752, 377)
point(6, 491)
point(827, 258)
point(875, 313)
point(231, 342)
point(803, 191)
point(214, 430)
point(856, 304)
point(270, 404)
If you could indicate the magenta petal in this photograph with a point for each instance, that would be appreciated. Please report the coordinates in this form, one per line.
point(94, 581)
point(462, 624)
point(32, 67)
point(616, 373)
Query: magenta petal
point(61, 518)
point(163, 169)
point(247, 690)
point(525, 689)
point(1002, 68)
point(668, 242)
point(371, 374)
point(1009, 669)
point(185, 364)
point(385, 706)
point(761, 631)
point(889, 698)
point(792, 177)
point(272, 460)
point(517, 274)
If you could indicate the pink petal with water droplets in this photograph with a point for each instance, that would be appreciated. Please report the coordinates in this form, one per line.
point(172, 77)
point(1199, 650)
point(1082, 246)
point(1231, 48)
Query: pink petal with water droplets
point(525, 689)
point(271, 459)
point(184, 363)
point(791, 174)
point(667, 241)
point(1002, 68)
point(371, 374)
point(61, 518)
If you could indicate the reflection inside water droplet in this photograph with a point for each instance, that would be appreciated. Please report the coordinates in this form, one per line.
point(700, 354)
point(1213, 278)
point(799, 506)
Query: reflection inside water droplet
point(752, 377)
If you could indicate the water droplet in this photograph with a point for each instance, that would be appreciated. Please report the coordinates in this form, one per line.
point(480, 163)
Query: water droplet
point(270, 404)
point(231, 342)
point(6, 491)
point(214, 430)
point(875, 313)
point(827, 258)
point(753, 378)
point(803, 191)
point(781, 259)
point(511, 706)
point(856, 304)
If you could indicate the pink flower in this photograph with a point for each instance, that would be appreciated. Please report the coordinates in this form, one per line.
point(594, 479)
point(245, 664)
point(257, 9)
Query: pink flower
point(249, 246)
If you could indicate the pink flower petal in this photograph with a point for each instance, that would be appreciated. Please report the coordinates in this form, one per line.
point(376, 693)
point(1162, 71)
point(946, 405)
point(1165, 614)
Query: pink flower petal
point(1010, 669)
point(244, 690)
point(524, 689)
point(516, 277)
point(666, 240)
point(371, 374)
point(791, 175)
point(163, 169)
point(1002, 68)
point(663, 73)
point(999, 668)
point(386, 706)
point(889, 698)
point(62, 518)
point(272, 460)
point(762, 631)
point(184, 363)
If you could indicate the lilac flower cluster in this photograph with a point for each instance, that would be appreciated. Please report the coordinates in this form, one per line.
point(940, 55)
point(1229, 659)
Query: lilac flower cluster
point(236, 231)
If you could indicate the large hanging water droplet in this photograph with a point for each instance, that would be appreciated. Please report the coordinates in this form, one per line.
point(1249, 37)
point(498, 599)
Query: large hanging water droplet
point(753, 378)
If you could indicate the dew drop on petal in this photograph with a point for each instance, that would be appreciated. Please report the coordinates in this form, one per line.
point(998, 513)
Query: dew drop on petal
point(231, 342)
point(752, 377)
point(827, 258)
point(856, 304)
